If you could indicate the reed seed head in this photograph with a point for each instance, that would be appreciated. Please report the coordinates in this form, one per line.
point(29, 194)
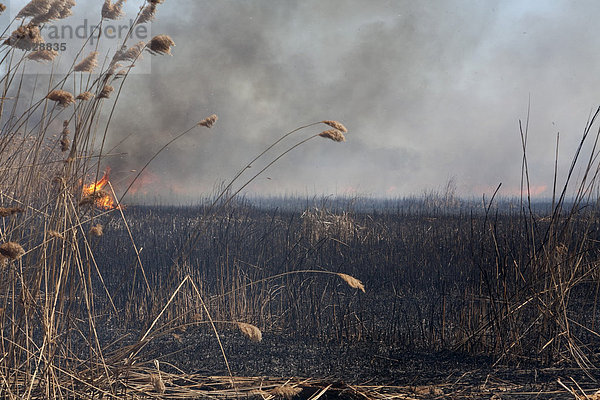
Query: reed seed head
point(286, 391)
point(62, 97)
point(112, 10)
point(42, 55)
point(57, 9)
point(209, 121)
point(34, 8)
point(92, 198)
point(129, 54)
point(2, 8)
point(105, 92)
point(85, 96)
point(87, 64)
point(65, 144)
point(160, 44)
point(7, 211)
point(333, 134)
point(11, 250)
point(96, 230)
point(148, 13)
point(250, 331)
point(352, 281)
point(336, 125)
point(25, 37)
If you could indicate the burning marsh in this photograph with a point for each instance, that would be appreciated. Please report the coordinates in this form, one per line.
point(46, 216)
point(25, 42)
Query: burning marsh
point(101, 299)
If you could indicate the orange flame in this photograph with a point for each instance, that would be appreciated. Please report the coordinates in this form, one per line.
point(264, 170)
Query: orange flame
point(106, 200)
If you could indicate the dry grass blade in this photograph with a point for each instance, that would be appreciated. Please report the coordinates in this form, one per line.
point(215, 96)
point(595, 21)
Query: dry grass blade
point(352, 281)
point(250, 331)
point(11, 250)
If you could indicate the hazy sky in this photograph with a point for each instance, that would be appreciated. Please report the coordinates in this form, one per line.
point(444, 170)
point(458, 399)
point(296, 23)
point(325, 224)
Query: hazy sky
point(429, 90)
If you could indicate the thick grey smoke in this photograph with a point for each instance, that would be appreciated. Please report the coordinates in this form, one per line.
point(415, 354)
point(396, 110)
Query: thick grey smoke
point(430, 91)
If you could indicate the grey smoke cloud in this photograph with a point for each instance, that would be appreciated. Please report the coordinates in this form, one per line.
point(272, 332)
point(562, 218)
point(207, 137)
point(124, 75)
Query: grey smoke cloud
point(430, 90)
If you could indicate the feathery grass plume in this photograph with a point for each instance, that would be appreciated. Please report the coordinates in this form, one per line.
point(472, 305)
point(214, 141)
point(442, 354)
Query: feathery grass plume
point(129, 54)
point(352, 281)
point(34, 8)
point(42, 55)
point(209, 121)
point(6, 211)
point(286, 391)
point(147, 14)
point(105, 92)
point(84, 96)
point(160, 44)
point(112, 11)
point(65, 144)
point(336, 125)
point(62, 97)
point(11, 250)
point(156, 379)
point(112, 69)
point(96, 230)
point(25, 37)
point(2, 8)
point(58, 9)
point(155, 1)
point(87, 64)
point(3, 261)
point(250, 331)
point(334, 135)
point(55, 234)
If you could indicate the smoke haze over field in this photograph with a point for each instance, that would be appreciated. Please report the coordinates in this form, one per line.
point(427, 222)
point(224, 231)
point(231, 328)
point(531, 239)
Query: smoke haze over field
point(430, 91)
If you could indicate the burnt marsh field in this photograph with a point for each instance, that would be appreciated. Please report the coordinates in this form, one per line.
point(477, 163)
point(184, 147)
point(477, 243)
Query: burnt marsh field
point(510, 284)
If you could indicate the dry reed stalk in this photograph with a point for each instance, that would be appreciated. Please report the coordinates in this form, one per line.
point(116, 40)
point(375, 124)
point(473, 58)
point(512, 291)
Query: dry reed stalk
point(160, 44)
point(286, 391)
point(96, 230)
point(85, 96)
point(25, 37)
point(6, 211)
point(333, 134)
point(11, 250)
point(42, 55)
point(62, 97)
point(336, 125)
point(209, 121)
point(352, 281)
point(112, 10)
point(105, 92)
point(88, 63)
point(250, 331)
